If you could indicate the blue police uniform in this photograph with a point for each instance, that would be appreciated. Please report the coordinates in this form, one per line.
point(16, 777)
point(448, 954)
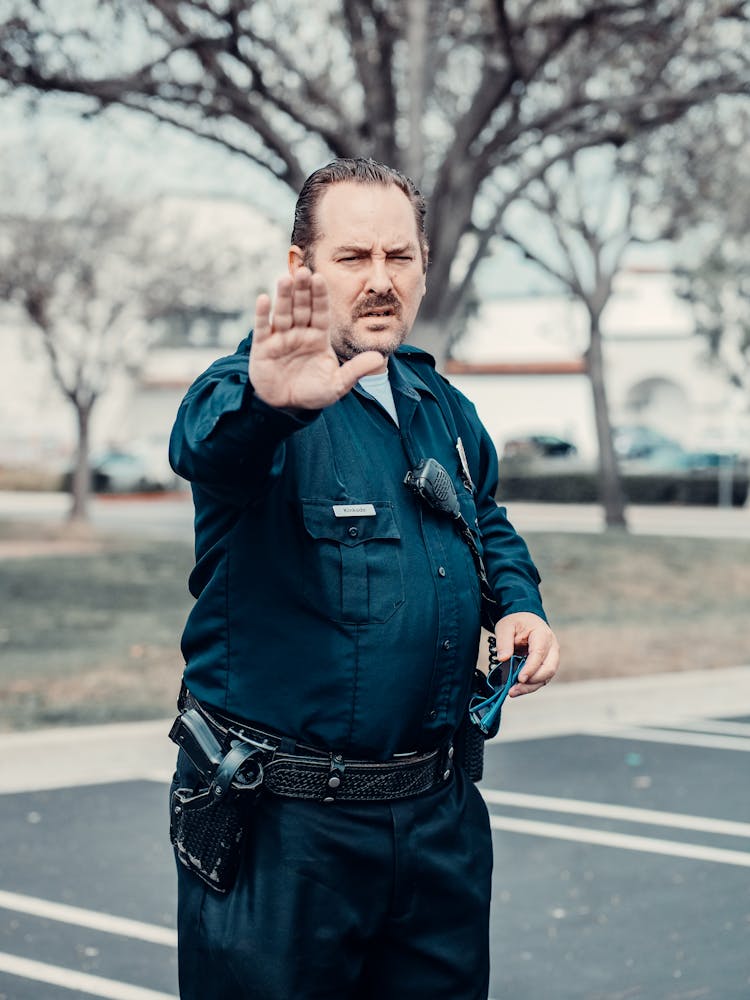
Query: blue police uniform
point(335, 608)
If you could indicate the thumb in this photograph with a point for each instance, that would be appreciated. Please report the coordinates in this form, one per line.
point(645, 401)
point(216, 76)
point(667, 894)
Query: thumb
point(366, 363)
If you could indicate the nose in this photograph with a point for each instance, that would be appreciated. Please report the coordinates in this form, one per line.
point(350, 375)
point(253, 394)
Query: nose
point(378, 278)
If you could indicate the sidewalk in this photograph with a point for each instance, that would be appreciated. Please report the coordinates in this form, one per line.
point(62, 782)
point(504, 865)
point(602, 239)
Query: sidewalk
point(688, 522)
point(170, 516)
point(85, 755)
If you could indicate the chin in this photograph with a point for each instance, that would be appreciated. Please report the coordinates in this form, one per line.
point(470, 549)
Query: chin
point(381, 337)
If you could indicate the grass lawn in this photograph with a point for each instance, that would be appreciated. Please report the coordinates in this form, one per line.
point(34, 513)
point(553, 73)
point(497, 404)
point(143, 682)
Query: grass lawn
point(94, 635)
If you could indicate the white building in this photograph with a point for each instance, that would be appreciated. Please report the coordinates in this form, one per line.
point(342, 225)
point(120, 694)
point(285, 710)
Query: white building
point(37, 424)
point(522, 363)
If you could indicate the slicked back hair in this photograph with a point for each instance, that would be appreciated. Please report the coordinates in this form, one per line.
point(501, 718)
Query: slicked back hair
point(359, 170)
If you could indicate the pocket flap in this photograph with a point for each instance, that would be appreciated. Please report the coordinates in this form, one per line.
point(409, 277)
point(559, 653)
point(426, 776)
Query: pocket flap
point(321, 522)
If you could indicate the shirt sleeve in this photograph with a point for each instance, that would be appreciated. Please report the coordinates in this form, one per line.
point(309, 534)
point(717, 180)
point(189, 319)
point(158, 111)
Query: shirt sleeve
point(227, 440)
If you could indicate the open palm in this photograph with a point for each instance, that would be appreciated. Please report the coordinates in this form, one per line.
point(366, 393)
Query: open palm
point(292, 363)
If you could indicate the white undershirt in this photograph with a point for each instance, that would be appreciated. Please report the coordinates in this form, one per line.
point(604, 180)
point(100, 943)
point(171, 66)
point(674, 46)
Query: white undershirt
point(379, 387)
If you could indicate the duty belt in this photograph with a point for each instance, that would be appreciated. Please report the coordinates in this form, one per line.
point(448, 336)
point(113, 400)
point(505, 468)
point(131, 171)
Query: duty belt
point(281, 767)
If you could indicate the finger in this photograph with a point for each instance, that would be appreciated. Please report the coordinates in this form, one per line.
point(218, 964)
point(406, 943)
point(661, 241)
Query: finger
point(542, 675)
point(282, 310)
point(262, 325)
point(352, 371)
point(505, 636)
point(519, 689)
point(541, 659)
point(320, 312)
point(301, 298)
point(539, 647)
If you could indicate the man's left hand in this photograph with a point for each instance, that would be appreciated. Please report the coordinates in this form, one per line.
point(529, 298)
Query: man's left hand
point(528, 633)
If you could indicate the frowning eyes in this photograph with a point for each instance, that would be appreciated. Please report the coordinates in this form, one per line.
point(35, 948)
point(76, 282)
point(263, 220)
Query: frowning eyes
point(399, 258)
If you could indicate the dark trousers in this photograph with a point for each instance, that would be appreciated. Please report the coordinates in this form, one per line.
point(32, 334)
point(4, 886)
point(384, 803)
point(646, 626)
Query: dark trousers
point(349, 901)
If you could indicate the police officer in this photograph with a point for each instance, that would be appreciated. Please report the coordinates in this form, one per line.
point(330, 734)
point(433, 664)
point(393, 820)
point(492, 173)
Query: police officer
point(337, 618)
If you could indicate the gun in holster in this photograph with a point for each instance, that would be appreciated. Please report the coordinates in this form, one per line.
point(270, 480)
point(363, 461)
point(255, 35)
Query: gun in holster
point(207, 824)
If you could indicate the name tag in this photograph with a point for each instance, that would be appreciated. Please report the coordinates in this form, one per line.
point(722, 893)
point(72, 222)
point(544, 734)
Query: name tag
point(354, 510)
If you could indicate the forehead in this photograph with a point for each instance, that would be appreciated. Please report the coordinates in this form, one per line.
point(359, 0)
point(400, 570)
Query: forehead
point(349, 212)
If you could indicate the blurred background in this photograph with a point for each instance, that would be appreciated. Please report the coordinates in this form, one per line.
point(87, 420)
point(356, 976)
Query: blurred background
point(587, 180)
point(587, 172)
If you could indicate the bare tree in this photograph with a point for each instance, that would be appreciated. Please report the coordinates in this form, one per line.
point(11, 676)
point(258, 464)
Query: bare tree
point(580, 223)
point(701, 193)
point(90, 271)
point(475, 99)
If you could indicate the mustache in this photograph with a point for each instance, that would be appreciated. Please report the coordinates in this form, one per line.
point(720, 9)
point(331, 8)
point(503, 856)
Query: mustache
point(384, 300)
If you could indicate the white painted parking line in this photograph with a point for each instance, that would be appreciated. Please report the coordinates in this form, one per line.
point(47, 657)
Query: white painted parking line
point(676, 736)
point(82, 982)
point(93, 919)
point(623, 841)
point(629, 814)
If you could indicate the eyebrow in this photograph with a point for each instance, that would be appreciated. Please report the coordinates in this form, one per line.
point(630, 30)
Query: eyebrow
point(355, 248)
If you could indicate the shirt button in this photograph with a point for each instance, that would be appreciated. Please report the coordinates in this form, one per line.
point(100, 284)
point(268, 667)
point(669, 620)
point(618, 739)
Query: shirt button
point(354, 532)
point(441, 570)
point(447, 644)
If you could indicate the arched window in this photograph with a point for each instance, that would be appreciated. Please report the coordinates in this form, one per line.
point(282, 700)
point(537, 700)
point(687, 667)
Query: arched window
point(660, 403)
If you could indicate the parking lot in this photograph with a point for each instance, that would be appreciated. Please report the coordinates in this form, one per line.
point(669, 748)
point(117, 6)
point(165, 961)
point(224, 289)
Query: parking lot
point(622, 870)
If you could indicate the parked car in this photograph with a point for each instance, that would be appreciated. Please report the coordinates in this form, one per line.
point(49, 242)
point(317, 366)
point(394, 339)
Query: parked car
point(140, 470)
point(538, 446)
point(643, 444)
point(643, 449)
point(655, 469)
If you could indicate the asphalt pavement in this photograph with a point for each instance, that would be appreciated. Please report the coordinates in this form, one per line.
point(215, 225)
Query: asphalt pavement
point(620, 812)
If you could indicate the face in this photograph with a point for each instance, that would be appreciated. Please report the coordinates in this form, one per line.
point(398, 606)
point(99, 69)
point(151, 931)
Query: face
point(368, 251)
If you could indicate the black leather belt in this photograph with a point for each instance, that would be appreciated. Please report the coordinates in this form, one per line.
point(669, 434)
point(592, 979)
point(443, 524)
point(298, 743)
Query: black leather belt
point(296, 772)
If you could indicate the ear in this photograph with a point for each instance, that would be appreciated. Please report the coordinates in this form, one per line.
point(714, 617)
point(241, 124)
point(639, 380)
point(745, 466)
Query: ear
point(295, 260)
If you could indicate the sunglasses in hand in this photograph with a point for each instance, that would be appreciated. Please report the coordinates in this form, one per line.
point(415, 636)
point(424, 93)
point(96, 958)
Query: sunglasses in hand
point(485, 705)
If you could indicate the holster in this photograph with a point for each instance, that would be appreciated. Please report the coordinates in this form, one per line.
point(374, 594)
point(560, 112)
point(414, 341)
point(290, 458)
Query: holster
point(208, 823)
point(207, 834)
point(468, 746)
point(469, 740)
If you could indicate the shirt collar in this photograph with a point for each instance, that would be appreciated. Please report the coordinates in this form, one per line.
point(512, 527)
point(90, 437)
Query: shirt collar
point(406, 380)
point(403, 378)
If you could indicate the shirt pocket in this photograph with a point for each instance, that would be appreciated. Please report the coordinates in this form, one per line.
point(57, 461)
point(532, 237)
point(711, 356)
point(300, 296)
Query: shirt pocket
point(354, 572)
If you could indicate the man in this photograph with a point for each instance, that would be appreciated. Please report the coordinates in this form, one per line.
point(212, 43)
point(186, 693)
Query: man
point(336, 626)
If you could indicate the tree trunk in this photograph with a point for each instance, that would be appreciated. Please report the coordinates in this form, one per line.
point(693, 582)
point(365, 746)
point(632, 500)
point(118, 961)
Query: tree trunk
point(432, 336)
point(81, 486)
point(611, 492)
point(417, 42)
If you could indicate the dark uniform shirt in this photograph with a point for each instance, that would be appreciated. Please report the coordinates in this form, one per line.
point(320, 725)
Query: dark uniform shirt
point(332, 605)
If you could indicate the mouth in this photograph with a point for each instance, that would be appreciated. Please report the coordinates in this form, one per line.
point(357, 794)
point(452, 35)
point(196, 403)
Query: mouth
point(378, 313)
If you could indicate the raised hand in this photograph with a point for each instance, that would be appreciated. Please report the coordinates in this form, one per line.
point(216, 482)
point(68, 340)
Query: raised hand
point(292, 363)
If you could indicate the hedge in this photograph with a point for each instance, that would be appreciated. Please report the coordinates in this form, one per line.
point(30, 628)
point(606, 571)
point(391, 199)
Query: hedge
point(683, 487)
